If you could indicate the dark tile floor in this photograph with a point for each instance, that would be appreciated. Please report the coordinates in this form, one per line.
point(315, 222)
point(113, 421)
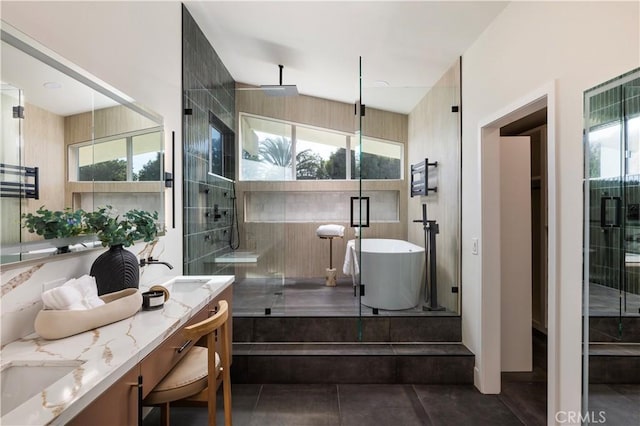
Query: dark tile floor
point(307, 297)
point(520, 403)
point(353, 405)
point(606, 301)
point(523, 401)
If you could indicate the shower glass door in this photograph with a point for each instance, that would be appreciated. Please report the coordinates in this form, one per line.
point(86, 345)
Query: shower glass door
point(611, 288)
point(10, 207)
point(401, 124)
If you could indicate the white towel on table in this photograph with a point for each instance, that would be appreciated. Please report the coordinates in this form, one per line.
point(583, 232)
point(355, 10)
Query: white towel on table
point(326, 231)
point(88, 288)
point(76, 294)
point(63, 298)
point(350, 266)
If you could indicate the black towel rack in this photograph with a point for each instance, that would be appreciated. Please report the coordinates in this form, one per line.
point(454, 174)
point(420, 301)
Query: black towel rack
point(20, 189)
point(420, 178)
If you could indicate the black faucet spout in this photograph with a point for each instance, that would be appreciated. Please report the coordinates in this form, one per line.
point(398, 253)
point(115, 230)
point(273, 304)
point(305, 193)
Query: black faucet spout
point(152, 261)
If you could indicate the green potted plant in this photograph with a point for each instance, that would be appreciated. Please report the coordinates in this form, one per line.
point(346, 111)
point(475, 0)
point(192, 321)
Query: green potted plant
point(117, 268)
point(125, 230)
point(56, 224)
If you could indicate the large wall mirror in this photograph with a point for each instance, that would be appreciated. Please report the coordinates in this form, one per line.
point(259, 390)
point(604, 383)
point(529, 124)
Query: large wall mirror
point(69, 141)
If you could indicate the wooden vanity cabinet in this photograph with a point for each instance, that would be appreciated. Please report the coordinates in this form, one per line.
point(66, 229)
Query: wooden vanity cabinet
point(119, 404)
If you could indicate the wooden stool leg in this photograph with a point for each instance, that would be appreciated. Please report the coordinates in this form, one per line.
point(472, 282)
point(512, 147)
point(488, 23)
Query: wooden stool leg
point(211, 406)
point(330, 253)
point(226, 389)
point(164, 414)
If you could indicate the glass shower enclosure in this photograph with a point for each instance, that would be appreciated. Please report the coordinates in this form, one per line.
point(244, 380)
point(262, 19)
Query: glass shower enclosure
point(611, 287)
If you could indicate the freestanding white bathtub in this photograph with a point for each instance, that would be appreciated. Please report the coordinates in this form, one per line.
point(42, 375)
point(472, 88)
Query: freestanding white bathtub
point(392, 272)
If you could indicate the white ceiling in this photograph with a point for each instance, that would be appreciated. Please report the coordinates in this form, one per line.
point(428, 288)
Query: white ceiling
point(22, 71)
point(407, 44)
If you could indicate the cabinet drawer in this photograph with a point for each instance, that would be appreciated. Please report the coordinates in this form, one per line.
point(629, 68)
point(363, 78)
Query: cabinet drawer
point(159, 362)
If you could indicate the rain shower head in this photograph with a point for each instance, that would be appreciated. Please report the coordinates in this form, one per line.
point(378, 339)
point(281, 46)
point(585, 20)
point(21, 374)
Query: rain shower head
point(280, 89)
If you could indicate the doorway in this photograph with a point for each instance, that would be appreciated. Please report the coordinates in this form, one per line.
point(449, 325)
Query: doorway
point(489, 358)
point(524, 350)
point(534, 126)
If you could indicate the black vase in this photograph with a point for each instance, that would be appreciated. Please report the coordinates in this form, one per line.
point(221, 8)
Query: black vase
point(115, 270)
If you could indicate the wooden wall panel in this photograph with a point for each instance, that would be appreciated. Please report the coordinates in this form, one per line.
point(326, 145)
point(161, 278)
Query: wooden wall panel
point(104, 122)
point(44, 148)
point(385, 125)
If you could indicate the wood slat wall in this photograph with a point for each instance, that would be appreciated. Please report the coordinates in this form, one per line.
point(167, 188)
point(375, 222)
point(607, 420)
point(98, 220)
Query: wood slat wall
point(44, 148)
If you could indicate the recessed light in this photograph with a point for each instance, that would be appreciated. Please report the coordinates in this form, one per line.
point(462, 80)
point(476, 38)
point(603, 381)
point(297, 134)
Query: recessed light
point(52, 85)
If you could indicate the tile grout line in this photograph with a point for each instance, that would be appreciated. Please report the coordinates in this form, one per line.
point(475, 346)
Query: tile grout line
point(415, 398)
point(516, 412)
point(339, 407)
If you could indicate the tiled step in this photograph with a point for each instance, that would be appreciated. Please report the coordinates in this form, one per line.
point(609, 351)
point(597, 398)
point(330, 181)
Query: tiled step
point(614, 329)
point(614, 363)
point(346, 329)
point(342, 363)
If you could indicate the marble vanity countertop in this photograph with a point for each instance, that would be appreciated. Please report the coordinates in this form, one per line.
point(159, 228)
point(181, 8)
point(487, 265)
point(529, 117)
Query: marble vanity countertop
point(105, 354)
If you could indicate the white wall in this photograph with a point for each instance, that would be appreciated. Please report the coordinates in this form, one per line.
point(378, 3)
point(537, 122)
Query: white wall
point(136, 48)
point(574, 45)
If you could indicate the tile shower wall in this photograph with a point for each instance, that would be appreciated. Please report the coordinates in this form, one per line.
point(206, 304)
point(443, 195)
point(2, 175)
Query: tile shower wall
point(207, 87)
point(609, 248)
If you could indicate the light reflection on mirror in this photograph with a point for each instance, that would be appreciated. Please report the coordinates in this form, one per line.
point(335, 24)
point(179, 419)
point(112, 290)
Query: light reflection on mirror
point(92, 144)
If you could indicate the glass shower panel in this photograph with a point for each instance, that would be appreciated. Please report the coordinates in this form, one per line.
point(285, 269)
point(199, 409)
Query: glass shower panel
point(10, 154)
point(209, 183)
point(630, 303)
point(407, 125)
point(611, 287)
point(266, 162)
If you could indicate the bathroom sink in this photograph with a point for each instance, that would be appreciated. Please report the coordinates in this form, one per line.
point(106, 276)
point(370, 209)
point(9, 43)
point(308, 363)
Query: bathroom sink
point(21, 381)
point(186, 284)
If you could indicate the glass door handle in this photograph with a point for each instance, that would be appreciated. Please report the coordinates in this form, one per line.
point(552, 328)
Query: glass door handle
point(606, 205)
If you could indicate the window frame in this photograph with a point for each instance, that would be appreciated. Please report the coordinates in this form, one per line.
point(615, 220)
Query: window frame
point(74, 158)
point(351, 140)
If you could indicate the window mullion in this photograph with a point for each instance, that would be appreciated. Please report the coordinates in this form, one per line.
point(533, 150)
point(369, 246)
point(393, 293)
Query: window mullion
point(294, 165)
point(129, 159)
point(348, 159)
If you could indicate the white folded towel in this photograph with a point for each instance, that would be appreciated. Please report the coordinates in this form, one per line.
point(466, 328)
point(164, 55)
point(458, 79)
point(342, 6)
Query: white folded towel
point(350, 266)
point(325, 231)
point(88, 288)
point(76, 294)
point(63, 298)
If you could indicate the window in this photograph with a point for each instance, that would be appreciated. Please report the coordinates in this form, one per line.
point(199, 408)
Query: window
point(275, 150)
point(320, 154)
point(377, 159)
point(137, 157)
point(266, 149)
point(221, 148)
